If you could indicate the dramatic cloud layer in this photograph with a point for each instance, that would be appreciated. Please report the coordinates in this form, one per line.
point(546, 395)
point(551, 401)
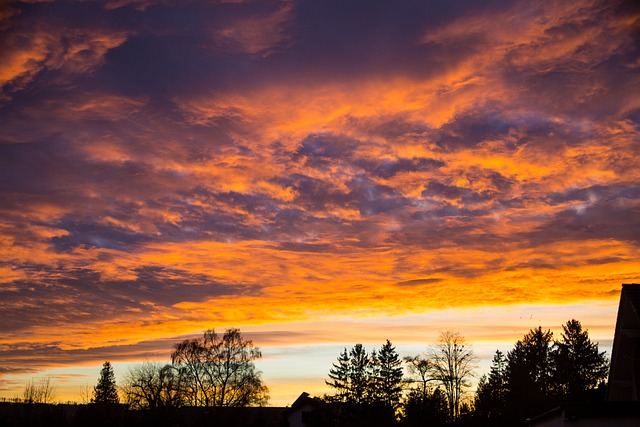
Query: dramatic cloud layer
point(167, 167)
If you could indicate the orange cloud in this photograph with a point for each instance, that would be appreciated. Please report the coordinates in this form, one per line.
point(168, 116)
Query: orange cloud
point(164, 179)
point(74, 51)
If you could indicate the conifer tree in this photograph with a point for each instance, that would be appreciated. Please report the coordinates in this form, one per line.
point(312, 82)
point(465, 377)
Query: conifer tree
point(578, 366)
point(529, 368)
point(339, 375)
point(389, 375)
point(540, 373)
point(352, 376)
point(359, 378)
point(491, 394)
point(105, 391)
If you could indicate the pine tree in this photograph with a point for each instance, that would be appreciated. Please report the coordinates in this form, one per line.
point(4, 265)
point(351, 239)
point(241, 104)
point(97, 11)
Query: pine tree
point(339, 375)
point(529, 363)
point(491, 394)
point(351, 377)
point(578, 366)
point(529, 368)
point(359, 368)
point(389, 375)
point(105, 391)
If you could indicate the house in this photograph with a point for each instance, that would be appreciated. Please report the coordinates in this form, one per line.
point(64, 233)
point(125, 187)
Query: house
point(622, 406)
point(309, 411)
point(624, 375)
point(603, 414)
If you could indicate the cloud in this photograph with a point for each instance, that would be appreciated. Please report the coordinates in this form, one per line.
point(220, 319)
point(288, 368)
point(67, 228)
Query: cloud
point(84, 296)
point(31, 356)
point(389, 168)
point(315, 194)
point(418, 282)
point(51, 50)
point(261, 33)
point(165, 167)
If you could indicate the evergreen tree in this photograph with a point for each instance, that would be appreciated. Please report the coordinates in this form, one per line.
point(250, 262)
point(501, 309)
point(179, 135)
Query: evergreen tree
point(425, 407)
point(529, 375)
point(578, 366)
point(491, 394)
point(339, 375)
point(389, 375)
point(351, 376)
point(374, 390)
point(105, 391)
point(359, 378)
point(538, 374)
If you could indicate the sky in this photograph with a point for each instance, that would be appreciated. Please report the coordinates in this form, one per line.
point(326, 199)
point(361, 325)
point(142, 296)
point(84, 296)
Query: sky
point(316, 173)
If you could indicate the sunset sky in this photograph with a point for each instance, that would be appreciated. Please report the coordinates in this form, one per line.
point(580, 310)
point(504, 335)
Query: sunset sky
point(315, 173)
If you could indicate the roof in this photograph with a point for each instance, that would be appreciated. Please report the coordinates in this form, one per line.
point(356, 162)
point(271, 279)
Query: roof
point(581, 411)
point(303, 399)
point(624, 374)
point(317, 405)
point(633, 295)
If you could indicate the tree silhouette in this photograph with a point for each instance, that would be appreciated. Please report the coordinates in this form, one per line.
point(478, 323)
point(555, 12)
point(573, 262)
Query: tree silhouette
point(491, 394)
point(538, 374)
point(188, 358)
point(153, 385)
point(389, 375)
point(106, 391)
point(578, 366)
point(41, 391)
point(359, 366)
point(352, 378)
point(368, 386)
point(424, 408)
point(220, 371)
point(421, 369)
point(453, 366)
point(339, 375)
point(529, 374)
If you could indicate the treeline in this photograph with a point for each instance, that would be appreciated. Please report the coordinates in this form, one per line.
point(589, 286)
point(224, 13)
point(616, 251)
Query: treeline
point(210, 380)
point(209, 371)
point(538, 374)
point(377, 388)
point(372, 389)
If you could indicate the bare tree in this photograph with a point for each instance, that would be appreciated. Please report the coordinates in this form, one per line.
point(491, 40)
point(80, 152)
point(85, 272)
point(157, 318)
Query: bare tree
point(421, 369)
point(454, 364)
point(220, 371)
point(85, 394)
point(190, 359)
point(153, 385)
point(39, 391)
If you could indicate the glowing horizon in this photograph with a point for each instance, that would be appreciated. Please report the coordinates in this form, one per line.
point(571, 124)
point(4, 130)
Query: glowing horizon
point(289, 167)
